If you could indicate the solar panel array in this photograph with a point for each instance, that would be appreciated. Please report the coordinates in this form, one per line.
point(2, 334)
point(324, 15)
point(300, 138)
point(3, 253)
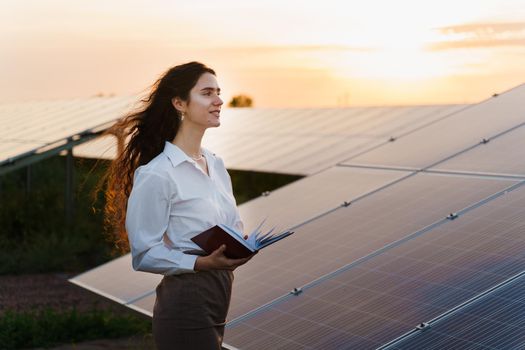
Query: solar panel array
point(300, 141)
point(30, 127)
point(350, 233)
point(370, 302)
point(414, 243)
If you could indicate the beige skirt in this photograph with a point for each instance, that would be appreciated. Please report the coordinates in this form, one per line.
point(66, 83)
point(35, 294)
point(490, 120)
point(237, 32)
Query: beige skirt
point(190, 310)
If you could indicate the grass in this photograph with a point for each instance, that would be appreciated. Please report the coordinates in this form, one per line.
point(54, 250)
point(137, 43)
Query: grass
point(48, 328)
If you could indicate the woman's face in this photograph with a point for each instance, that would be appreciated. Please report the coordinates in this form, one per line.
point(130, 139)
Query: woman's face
point(204, 106)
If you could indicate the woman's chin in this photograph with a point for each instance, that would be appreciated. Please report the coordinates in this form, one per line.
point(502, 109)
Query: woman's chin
point(214, 124)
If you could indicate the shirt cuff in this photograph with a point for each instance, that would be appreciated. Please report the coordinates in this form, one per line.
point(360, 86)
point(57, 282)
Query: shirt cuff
point(188, 262)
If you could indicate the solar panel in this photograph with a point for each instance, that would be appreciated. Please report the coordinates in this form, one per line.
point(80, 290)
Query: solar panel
point(118, 281)
point(29, 126)
point(413, 119)
point(8, 149)
point(304, 199)
point(349, 233)
point(145, 304)
point(501, 155)
point(494, 321)
point(289, 205)
point(372, 301)
point(450, 135)
point(101, 148)
point(306, 155)
point(55, 123)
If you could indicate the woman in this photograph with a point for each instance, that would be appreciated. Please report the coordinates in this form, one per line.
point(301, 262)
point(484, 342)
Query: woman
point(164, 189)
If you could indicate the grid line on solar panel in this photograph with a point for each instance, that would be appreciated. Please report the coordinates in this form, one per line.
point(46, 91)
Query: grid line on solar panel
point(473, 173)
point(437, 172)
point(482, 310)
point(420, 279)
point(379, 167)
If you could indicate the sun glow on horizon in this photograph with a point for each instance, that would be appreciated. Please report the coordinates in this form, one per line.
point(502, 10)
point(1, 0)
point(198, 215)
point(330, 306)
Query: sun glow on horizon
point(281, 53)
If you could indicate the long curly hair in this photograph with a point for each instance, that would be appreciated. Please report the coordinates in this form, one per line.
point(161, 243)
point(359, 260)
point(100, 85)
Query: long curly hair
point(147, 130)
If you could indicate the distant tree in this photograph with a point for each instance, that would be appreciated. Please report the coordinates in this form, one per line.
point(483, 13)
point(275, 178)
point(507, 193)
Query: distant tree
point(241, 101)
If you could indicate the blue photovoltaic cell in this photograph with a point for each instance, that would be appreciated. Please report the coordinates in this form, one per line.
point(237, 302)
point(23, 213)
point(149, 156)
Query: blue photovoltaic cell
point(496, 321)
point(342, 236)
point(387, 295)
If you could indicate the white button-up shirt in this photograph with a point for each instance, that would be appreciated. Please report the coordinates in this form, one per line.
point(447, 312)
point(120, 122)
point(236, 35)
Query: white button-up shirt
point(173, 200)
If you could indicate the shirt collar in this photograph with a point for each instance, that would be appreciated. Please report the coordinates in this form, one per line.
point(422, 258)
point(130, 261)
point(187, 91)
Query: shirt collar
point(177, 156)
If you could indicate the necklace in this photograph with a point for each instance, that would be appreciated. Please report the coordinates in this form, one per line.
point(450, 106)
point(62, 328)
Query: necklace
point(197, 158)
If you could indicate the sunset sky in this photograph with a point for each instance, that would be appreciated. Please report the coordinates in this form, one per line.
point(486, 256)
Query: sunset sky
point(282, 53)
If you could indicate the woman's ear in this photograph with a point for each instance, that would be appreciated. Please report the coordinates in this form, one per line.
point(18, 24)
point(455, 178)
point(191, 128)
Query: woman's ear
point(178, 104)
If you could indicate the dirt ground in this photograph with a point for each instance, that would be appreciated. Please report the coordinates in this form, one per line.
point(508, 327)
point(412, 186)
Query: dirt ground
point(40, 291)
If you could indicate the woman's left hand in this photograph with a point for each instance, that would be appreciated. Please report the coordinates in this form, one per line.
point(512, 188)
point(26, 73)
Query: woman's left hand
point(218, 261)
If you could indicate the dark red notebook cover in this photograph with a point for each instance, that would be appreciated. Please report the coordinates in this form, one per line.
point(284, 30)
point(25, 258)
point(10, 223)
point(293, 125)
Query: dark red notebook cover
point(214, 237)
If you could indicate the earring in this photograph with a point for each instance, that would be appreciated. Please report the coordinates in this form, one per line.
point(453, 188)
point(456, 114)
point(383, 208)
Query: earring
point(181, 116)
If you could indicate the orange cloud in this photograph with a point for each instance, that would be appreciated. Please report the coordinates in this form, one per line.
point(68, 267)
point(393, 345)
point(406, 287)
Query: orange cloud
point(484, 28)
point(480, 35)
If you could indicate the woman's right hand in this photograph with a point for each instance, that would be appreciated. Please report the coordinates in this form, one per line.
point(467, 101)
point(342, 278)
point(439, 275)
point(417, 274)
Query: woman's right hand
point(218, 261)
